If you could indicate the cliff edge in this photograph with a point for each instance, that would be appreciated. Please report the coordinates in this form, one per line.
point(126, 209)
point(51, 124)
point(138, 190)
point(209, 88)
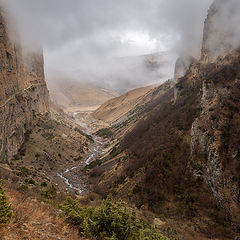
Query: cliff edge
point(23, 90)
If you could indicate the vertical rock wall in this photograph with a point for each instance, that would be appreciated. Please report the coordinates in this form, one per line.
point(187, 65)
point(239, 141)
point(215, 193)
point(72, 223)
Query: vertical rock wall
point(214, 153)
point(221, 29)
point(22, 91)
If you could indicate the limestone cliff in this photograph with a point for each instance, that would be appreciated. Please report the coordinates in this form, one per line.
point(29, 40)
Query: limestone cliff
point(22, 91)
point(221, 30)
point(214, 134)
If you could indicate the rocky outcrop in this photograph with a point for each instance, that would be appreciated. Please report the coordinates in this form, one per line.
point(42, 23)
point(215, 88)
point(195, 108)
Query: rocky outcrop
point(214, 134)
point(182, 65)
point(213, 145)
point(221, 30)
point(22, 91)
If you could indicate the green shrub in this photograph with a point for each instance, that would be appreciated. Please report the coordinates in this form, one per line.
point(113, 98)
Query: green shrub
point(171, 233)
point(104, 132)
point(136, 189)
point(89, 137)
point(78, 158)
point(23, 172)
point(33, 88)
point(43, 184)
point(112, 221)
point(196, 166)
point(50, 193)
point(30, 181)
point(120, 180)
point(5, 207)
point(22, 188)
point(92, 165)
point(114, 152)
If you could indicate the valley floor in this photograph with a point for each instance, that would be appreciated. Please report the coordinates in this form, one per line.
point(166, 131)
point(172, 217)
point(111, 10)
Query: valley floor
point(55, 162)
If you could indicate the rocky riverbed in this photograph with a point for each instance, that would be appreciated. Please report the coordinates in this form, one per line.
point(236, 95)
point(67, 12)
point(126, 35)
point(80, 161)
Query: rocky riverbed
point(73, 179)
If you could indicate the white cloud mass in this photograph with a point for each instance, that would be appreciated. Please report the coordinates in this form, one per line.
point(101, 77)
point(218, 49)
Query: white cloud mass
point(80, 36)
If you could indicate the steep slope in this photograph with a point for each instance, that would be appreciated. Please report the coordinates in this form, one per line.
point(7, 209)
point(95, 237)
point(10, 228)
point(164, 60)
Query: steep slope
point(35, 220)
point(215, 134)
point(116, 108)
point(50, 146)
point(182, 158)
point(22, 91)
point(121, 114)
point(74, 96)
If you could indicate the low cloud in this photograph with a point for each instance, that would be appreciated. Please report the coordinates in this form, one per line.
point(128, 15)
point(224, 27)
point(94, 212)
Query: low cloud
point(223, 30)
point(83, 38)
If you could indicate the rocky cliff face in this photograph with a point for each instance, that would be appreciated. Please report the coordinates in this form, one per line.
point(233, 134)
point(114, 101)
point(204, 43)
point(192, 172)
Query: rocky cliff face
point(221, 31)
point(214, 133)
point(22, 91)
point(182, 65)
point(215, 149)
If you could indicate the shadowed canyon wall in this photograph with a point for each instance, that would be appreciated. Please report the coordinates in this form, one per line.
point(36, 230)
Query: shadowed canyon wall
point(215, 133)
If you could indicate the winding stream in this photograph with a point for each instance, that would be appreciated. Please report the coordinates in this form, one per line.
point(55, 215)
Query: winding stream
point(72, 177)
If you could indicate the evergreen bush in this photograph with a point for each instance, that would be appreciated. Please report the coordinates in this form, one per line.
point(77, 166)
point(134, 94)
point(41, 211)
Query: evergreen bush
point(5, 207)
point(110, 221)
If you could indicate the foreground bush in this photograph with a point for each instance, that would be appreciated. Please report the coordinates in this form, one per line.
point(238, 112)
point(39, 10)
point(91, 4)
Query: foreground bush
point(5, 208)
point(112, 221)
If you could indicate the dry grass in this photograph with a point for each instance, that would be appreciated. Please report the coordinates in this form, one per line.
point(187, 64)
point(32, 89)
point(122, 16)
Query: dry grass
point(120, 106)
point(35, 220)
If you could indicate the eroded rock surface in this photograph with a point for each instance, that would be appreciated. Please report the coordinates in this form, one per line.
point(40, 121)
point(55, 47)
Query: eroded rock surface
point(22, 91)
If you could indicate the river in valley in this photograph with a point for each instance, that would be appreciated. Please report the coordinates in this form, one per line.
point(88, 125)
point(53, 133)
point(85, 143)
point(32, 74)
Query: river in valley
point(73, 178)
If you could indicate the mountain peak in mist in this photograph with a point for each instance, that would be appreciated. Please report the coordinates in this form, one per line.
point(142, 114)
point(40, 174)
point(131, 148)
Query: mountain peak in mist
point(222, 29)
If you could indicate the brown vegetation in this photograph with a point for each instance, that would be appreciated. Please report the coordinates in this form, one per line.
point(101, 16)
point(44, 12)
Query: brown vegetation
point(35, 220)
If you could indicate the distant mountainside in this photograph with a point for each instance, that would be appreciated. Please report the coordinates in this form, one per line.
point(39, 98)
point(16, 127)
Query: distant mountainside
point(123, 74)
point(114, 109)
point(72, 96)
point(127, 106)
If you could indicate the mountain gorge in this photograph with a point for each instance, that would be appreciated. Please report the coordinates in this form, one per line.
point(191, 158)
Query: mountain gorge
point(169, 151)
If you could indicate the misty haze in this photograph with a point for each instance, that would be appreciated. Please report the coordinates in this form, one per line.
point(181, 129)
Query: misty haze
point(94, 42)
point(120, 120)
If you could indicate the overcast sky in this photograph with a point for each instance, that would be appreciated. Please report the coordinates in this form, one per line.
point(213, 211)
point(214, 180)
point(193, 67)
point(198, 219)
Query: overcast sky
point(80, 34)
